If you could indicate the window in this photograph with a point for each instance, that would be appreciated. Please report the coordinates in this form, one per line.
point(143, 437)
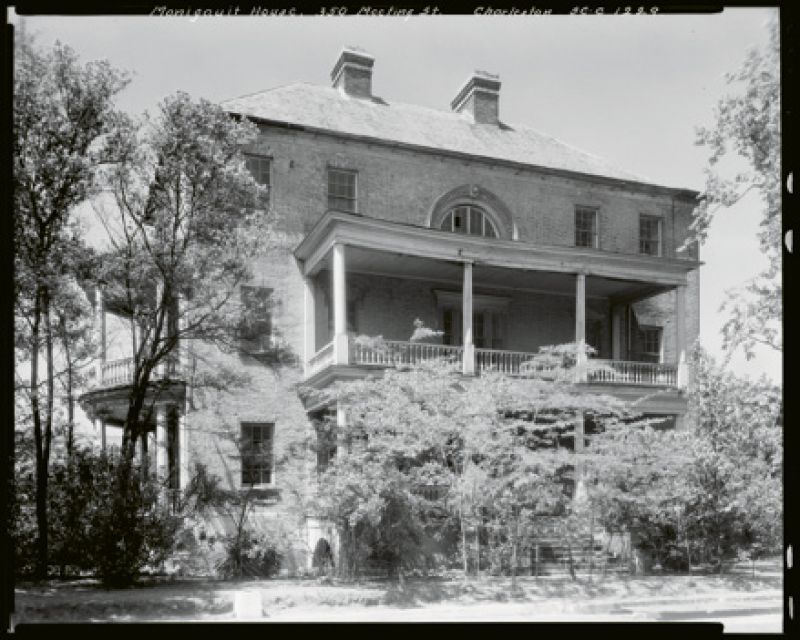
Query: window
point(342, 189)
point(586, 227)
point(650, 235)
point(487, 329)
point(255, 328)
point(650, 340)
point(256, 450)
point(469, 220)
point(259, 167)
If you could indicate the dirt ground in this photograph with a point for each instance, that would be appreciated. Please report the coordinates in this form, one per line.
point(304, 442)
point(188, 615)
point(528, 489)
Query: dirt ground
point(445, 598)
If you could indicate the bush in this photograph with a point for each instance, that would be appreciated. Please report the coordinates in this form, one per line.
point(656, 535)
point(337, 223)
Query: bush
point(91, 529)
point(249, 555)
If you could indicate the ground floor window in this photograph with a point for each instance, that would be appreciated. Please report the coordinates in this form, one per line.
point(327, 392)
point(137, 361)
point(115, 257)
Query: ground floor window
point(256, 452)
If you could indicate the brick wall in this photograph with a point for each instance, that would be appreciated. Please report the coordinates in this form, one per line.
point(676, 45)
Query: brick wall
point(402, 185)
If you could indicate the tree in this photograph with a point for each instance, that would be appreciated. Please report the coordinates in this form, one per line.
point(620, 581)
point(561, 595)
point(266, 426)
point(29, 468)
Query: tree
point(62, 110)
point(494, 446)
point(747, 129)
point(703, 494)
point(739, 462)
point(187, 219)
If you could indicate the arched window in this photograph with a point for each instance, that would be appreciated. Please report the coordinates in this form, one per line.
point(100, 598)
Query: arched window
point(470, 220)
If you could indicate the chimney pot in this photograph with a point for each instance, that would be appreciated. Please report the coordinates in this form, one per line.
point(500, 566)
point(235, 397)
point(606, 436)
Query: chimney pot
point(353, 72)
point(480, 97)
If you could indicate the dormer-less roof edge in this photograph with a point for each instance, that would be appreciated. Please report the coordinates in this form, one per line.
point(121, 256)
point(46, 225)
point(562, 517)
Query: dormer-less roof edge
point(680, 192)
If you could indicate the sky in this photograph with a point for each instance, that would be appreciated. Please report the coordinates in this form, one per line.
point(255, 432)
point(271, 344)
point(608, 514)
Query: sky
point(629, 89)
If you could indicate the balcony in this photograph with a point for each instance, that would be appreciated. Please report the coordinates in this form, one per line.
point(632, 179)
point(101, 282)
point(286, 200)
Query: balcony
point(392, 353)
point(119, 373)
point(374, 277)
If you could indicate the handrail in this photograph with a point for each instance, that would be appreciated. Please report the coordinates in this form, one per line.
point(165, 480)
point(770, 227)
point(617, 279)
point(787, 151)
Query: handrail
point(321, 359)
point(383, 353)
point(500, 360)
point(393, 352)
point(627, 372)
point(114, 373)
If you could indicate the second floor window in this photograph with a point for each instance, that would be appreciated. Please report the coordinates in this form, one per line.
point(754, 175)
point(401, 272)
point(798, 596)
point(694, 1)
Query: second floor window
point(469, 220)
point(650, 341)
point(342, 190)
point(256, 450)
point(586, 227)
point(487, 329)
point(259, 167)
point(255, 329)
point(650, 235)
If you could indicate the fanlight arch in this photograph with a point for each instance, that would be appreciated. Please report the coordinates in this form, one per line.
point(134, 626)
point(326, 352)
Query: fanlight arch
point(472, 210)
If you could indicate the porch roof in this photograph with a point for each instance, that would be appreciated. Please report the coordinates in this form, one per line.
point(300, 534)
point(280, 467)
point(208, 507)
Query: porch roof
point(393, 240)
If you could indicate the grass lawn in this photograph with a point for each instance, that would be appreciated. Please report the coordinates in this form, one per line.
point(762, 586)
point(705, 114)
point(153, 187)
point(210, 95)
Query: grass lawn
point(85, 601)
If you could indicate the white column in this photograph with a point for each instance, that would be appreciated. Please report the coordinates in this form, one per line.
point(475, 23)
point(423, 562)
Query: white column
point(466, 315)
point(100, 333)
point(160, 455)
point(183, 449)
point(100, 428)
point(152, 458)
point(580, 324)
point(309, 325)
point(616, 332)
point(340, 350)
point(680, 336)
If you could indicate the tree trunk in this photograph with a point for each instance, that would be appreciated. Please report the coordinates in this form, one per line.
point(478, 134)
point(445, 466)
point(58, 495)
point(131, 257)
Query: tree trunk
point(514, 564)
point(69, 389)
point(477, 550)
point(41, 461)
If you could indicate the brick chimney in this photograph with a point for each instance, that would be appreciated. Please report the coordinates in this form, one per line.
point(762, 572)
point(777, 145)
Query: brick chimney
point(480, 97)
point(353, 72)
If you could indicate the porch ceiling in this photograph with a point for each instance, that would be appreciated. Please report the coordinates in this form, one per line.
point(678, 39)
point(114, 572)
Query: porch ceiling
point(394, 265)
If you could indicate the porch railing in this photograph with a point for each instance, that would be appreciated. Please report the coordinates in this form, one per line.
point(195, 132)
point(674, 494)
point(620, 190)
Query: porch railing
point(639, 373)
point(384, 353)
point(116, 373)
point(321, 359)
point(393, 352)
point(502, 361)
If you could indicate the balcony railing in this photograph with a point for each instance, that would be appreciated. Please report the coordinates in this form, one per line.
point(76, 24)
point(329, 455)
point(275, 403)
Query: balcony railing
point(502, 361)
point(637, 373)
point(394, 352)
point(385, 353)
point(321, 359)
point(115, 373)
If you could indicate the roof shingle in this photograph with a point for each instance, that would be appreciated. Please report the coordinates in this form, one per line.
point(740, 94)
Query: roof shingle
point(329, 109)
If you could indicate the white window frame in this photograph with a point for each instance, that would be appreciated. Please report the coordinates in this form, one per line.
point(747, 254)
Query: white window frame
point(594, 211)
point(659, 232)
point(485, 220)
point(353, 200)
point(257, 485)
point(643, 333)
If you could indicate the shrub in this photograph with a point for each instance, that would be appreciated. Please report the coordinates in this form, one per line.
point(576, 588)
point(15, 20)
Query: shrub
point(249, 555)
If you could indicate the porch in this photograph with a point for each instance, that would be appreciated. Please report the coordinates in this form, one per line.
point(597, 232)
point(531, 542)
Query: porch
point(492, 302)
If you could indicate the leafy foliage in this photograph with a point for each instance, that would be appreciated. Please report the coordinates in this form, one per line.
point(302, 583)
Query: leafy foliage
point(427, 454)
point(87, 534)
point(62, 111)
point(703, 494)
point(747, 129)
